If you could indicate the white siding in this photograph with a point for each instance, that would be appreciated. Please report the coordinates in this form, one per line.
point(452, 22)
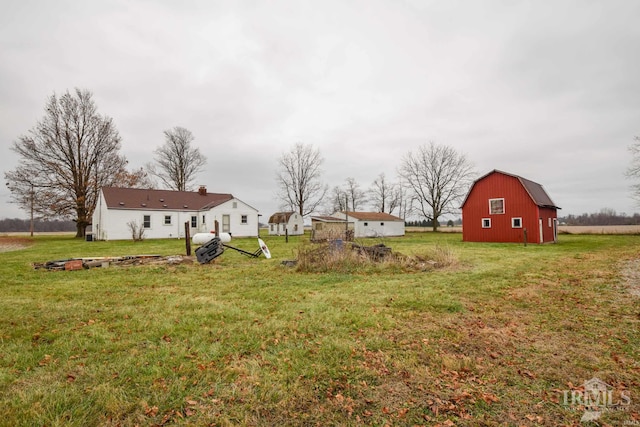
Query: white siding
point(236, 227)
point(111, 224)
point(368, 228)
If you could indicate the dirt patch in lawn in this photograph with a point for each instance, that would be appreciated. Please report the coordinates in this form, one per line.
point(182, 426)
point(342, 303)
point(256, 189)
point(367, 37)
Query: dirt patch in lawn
point(13, 243)
point(630, 271)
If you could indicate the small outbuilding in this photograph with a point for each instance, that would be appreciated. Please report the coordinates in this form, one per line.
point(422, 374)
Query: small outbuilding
point(373, 224)
point(503, 207)
point(290, 223)
point(325, 227)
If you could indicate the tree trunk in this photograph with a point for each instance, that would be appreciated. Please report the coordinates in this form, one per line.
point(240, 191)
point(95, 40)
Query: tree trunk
point(434, 222)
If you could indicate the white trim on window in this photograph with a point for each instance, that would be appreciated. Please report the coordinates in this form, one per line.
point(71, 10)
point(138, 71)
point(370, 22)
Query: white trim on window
point(496, 206)
point(516, 222)
point(486, 222)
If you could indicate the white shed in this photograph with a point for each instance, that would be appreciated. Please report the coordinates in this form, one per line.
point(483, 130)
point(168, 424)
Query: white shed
point(373, 224)
point(290, 223)
point(163, 213)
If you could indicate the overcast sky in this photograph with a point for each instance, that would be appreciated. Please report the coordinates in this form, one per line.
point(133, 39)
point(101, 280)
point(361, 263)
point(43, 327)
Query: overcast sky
point(549, 90)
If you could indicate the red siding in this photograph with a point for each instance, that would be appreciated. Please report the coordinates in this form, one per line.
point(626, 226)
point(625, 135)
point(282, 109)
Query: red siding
point(517, 204)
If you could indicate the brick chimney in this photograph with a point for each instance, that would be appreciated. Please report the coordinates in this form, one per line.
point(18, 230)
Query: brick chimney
point(202, 190)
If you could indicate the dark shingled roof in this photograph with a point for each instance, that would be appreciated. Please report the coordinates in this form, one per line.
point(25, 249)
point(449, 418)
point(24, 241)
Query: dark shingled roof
point(142, 199)
point(327, 218)
point(535, 190)
point(280, 217)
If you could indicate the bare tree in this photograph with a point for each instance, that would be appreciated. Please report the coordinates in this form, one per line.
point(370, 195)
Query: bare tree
point(65, 159)
point(138, 178)
point(438, 176)
point(384, 195)
point(338, 200)
point(633, 171)
point(177, 162)
point(355, 195)
point(298, 178)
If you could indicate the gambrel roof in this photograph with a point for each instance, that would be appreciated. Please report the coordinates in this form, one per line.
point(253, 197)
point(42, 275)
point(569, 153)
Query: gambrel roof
point(280, 217)
point(535, 190)
point(143, 199)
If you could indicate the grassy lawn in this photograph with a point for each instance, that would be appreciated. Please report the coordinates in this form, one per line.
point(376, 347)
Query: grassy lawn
point(497, 338)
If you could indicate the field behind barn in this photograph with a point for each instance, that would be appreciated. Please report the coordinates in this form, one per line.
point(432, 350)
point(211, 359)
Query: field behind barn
point(500, 334)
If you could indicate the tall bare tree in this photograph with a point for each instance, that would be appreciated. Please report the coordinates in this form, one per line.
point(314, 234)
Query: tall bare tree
point(439, 177)
point(338, 200)
point(65, 159)
point(177, 162)
point(385, 196)
point(633, 171)
point(299, 179)
point(357, 198)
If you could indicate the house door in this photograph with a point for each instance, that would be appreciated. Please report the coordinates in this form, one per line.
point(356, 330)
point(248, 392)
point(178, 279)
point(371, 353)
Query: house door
point(226, 224)
point(541, 230)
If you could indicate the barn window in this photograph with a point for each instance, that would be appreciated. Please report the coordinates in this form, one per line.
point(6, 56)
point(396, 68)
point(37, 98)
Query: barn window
point(243, 219)
point(194, 221)
point(366, 224)
point(382, 223)
point(295, 227)
point(486, 222)
point(496, 206)
point(146, 221)
point(516, 222)
point(549, 222)
point(271, 227)
point(167, 220)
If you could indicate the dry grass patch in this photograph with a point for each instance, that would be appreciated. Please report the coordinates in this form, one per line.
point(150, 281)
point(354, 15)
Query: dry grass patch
point(353, 258)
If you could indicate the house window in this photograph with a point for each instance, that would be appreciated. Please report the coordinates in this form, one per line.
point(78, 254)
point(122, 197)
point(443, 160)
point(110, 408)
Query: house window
point(244, 220)
point(146, 221)
point(516, 222)
point(486, 222)
point(496, 206)
point(235, 205)
point(167, 220)
point(194, 221)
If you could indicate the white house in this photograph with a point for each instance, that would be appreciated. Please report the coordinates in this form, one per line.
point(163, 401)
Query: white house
point(163, 213)
point(373, 224)
point(290, 223)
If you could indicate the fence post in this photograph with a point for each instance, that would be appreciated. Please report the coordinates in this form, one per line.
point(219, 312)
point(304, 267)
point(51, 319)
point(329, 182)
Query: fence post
point(187, 237)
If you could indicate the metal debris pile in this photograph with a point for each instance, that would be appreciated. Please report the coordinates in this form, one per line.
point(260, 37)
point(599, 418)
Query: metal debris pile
point(72, 264)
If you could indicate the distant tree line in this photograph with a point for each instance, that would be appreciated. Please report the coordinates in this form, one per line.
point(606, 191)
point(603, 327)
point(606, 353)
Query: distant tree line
point(604, 217)
point(13, 225)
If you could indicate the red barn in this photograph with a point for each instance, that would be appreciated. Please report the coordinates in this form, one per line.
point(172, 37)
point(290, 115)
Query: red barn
point(502, 207)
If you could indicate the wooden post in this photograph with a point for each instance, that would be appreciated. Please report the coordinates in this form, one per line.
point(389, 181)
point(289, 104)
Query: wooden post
point(187, 238)
point(525, 237)
point(286, 234)
point(346, 218)
point(216, 227)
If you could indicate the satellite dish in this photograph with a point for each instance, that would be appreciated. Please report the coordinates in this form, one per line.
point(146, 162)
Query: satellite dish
point(264, 248)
